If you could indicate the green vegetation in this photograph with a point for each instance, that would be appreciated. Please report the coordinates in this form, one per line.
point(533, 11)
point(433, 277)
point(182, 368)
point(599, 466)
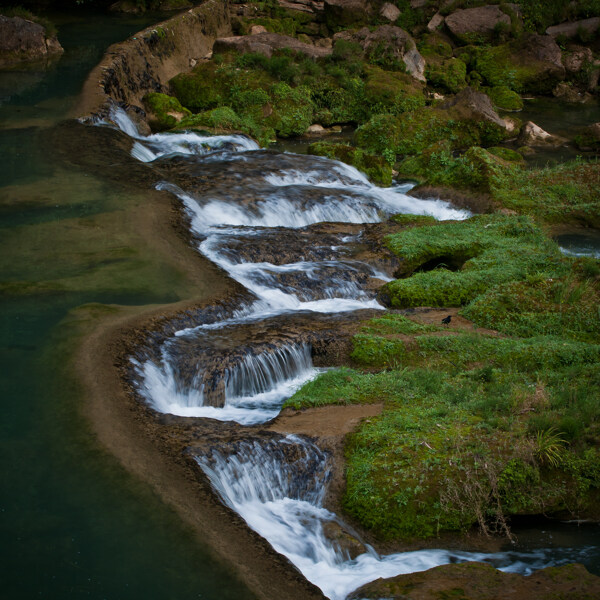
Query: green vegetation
point(452, 263)
point(504, 98)
point(166, 111)
point(376, 168)
point(476, 425)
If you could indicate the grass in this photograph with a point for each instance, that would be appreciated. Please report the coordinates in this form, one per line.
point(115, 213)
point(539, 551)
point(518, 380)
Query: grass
point(488, 251)
point(476, 426)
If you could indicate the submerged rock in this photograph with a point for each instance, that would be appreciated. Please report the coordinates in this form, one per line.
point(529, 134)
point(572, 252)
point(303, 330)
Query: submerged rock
point(480, 581)
point(22, 40)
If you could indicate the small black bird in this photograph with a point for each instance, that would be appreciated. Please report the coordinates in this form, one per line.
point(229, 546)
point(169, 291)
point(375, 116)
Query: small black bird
point(447, 320)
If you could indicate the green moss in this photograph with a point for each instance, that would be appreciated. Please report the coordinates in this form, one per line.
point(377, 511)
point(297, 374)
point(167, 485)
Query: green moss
point(376, 168)
point(506, 154)
point(166, 111)
point(292, 109)
point(402, 219)
point(437, 165)
point(505, 66)
point(392, 92)
point(449, 74)
point(412, 132)
point(504, 98)
point(566, 306)
point(567, 192)
point(494, 250)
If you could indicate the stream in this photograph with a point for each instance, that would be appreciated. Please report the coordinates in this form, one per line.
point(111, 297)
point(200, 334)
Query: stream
point(259, 215)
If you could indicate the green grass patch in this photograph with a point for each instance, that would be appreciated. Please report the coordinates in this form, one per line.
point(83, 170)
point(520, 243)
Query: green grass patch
point(485, 250)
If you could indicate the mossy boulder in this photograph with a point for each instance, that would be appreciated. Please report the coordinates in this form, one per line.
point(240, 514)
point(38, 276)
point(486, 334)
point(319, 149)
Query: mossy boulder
point(292, 110)
point(467, 120)
point(375, 168)
point(393, 92)
point(504, 98)
point(449, 74)
point(589, 138)
point(530, 65)
point(164, 112)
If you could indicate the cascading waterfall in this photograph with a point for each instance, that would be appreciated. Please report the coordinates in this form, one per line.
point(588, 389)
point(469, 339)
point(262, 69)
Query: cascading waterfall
point(281, 498)
point(278, 487)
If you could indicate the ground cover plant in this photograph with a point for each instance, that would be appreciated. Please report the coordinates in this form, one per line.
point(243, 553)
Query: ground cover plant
point(477, 424)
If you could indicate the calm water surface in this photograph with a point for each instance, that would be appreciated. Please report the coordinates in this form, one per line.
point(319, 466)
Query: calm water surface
point(74, 524)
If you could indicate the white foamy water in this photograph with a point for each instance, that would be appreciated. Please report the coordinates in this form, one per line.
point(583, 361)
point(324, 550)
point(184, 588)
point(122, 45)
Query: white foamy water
point(282, 500)
point(319, 190)
point(150, 147)
point(254, 389)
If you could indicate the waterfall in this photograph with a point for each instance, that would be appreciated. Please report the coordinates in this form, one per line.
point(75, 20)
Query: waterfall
point(278, 488)
point(253, 388)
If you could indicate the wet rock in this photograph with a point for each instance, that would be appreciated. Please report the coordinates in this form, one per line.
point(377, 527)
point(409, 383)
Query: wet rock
point(394, 40)
point(266, 43)
point(22, 40)
point(544, 50)
point(480, 581)
point(470, 24)
point(389, 11)
point(474, 105)
point(533, 135)
point(348, 545)
point(574, 27)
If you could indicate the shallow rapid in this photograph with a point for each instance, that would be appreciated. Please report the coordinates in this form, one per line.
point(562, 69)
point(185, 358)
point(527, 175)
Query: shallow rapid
point(253, 213)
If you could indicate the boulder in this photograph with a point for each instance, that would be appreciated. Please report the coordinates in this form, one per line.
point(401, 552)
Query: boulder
point(349, 545)
point(22, 40)
point(346, 13)
point(477, 106)
point(576, 58)
point(394, 40)
point(569, 93)
point(266, 43)
point(471, 24)
point(390, 11)
point(571, 29)
point(589, 138)
point(256, 29)
point(435, 22)
point(482, 581)
point(533, 135)
point(530, 65)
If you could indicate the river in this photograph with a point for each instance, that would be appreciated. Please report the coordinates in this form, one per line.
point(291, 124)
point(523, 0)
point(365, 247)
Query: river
point(74, 522)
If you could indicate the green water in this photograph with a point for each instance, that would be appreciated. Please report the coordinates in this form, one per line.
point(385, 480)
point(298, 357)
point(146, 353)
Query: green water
point(74, 524)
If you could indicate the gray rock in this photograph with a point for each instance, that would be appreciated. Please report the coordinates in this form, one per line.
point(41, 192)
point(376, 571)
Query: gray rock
point(533, 135)
point(22, 40)
point(435, 22)
point(571, 29)
point(390, 12)
point(577, 58)
point(340, 13)
point(266, 43)
point(476, 106)
point(481, 20)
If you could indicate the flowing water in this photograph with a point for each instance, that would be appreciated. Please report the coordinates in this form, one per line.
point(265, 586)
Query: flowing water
point(248, 210)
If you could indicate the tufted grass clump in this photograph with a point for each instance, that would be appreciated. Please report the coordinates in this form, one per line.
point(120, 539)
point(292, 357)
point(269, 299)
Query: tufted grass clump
point(485, 251)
